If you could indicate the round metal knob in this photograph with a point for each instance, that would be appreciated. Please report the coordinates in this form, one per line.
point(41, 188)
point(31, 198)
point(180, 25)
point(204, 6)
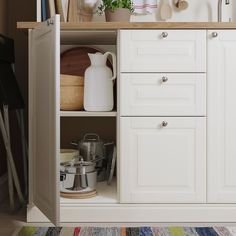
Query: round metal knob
point(164, 123)
point(164, 79)
point(164, 34)
point(214, 34)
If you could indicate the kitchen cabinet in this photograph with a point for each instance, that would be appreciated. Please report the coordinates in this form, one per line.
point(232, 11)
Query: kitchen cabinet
point(173, 125)
point(51, 129)
point(221, 116)
point(163, 160)
point(163, 157)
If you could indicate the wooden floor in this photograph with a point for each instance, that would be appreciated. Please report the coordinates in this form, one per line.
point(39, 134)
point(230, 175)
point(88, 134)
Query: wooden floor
point(10, 222)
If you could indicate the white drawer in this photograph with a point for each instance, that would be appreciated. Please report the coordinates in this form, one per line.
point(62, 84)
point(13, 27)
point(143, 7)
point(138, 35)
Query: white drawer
point(148, 95)
point(149, 51)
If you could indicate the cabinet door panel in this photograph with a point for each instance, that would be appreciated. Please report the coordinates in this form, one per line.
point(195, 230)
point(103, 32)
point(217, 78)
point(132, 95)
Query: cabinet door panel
point(45, 117)
point(147, 95)
point(222, 117)
point(149, 51)
point(163, 164)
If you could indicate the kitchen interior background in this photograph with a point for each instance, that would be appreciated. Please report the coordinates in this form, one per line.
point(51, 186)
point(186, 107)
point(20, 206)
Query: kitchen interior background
point(198, 10)
point(12, 11)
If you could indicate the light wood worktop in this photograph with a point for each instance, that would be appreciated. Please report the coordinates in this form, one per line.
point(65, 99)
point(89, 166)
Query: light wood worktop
point(134, 25)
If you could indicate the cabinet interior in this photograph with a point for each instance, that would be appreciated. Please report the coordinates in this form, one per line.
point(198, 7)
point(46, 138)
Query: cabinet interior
point(88, 37)
point(73, 128)
point(75, 124)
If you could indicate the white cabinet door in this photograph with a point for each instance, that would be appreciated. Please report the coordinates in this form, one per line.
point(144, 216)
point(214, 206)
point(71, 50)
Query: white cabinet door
point(163, 50)
point(45, 117)
point(221, 116)
point(163, 94)
point(163, 162)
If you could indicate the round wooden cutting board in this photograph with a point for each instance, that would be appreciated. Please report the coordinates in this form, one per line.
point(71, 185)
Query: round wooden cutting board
point(76, 195)
point(76, 60)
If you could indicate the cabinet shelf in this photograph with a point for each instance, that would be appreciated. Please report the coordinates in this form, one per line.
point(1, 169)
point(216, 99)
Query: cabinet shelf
point(87, 114)
point(106, 194)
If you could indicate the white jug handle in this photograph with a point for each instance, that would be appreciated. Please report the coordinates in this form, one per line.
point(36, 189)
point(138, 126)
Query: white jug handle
point(113, 63)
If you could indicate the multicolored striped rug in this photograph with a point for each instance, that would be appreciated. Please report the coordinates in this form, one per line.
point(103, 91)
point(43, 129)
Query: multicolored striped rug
point(141, 231)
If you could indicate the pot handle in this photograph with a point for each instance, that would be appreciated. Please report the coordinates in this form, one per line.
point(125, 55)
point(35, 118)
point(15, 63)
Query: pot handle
point(74, 143)
point(113, 63)
point(62, 177)
point(97, 159)
point(91, 135)
point(109, 143)
point(84, 181)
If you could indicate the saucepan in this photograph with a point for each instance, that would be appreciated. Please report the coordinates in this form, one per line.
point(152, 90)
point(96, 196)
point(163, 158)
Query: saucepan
point(78, 175)
point(91, 147)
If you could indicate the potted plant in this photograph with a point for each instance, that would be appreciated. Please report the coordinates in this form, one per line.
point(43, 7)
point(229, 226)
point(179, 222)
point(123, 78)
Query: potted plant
point(116, 10)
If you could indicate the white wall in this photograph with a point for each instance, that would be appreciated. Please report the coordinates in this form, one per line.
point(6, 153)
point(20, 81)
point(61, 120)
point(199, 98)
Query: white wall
point(198, 10)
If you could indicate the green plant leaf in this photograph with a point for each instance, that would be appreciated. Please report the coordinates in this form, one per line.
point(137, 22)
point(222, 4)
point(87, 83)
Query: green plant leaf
point(112, 5)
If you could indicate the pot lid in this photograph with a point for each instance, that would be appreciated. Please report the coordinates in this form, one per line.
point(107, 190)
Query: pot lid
point(77, 162)
point(90, 137)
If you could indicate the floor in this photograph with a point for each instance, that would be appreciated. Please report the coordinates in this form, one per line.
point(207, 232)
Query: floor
point(12, 222)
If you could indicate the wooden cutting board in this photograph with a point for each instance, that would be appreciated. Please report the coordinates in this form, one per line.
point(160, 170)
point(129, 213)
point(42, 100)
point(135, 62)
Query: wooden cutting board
point(76, 60)
point(82, 195)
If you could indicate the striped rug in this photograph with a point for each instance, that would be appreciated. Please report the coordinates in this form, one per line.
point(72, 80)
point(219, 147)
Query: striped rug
point(141, 231)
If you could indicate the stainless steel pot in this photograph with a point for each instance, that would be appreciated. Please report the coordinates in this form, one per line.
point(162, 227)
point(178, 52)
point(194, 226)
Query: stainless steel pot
point(91, 147)
point(78, 176)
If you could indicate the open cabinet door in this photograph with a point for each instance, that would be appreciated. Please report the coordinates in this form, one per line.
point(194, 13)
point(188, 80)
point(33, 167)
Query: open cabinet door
point(45, 114)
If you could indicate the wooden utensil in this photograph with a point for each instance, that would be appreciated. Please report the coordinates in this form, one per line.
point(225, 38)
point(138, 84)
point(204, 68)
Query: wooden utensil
point(181, 4)
point(166, 10)
point(72, 11)
point(76, 195)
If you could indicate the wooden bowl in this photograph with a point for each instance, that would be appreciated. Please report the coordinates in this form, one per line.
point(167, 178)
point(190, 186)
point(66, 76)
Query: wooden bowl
point(68, 154)
point(72, 93)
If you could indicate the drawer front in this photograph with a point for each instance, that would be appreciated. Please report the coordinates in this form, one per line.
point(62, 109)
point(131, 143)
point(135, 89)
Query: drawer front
point(163, 164)
point(163, 94)
point(149, 51)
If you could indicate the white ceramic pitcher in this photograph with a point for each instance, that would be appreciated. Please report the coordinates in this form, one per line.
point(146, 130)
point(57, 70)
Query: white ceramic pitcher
point(98, 84)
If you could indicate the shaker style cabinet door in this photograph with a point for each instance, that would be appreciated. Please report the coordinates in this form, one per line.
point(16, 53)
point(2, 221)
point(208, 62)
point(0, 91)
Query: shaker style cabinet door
point(44, 82)
point(163, 94)
point(163, 160)
point(163, 51)
point(221, 116)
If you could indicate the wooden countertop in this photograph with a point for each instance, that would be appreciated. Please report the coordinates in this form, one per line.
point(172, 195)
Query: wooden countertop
point(134, 25)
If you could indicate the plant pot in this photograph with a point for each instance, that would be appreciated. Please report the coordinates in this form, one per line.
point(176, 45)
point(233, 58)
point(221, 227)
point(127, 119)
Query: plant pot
point(120, 14)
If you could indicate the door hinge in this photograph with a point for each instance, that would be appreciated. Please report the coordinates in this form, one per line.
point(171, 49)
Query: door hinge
point(50, 22)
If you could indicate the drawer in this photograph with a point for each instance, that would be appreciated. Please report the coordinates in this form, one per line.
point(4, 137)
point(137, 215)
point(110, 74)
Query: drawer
point(163, 50)
point(163, 94)
point(163, 159)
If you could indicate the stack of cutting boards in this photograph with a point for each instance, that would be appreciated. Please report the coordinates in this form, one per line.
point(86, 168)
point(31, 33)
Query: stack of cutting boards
point(66, 8)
